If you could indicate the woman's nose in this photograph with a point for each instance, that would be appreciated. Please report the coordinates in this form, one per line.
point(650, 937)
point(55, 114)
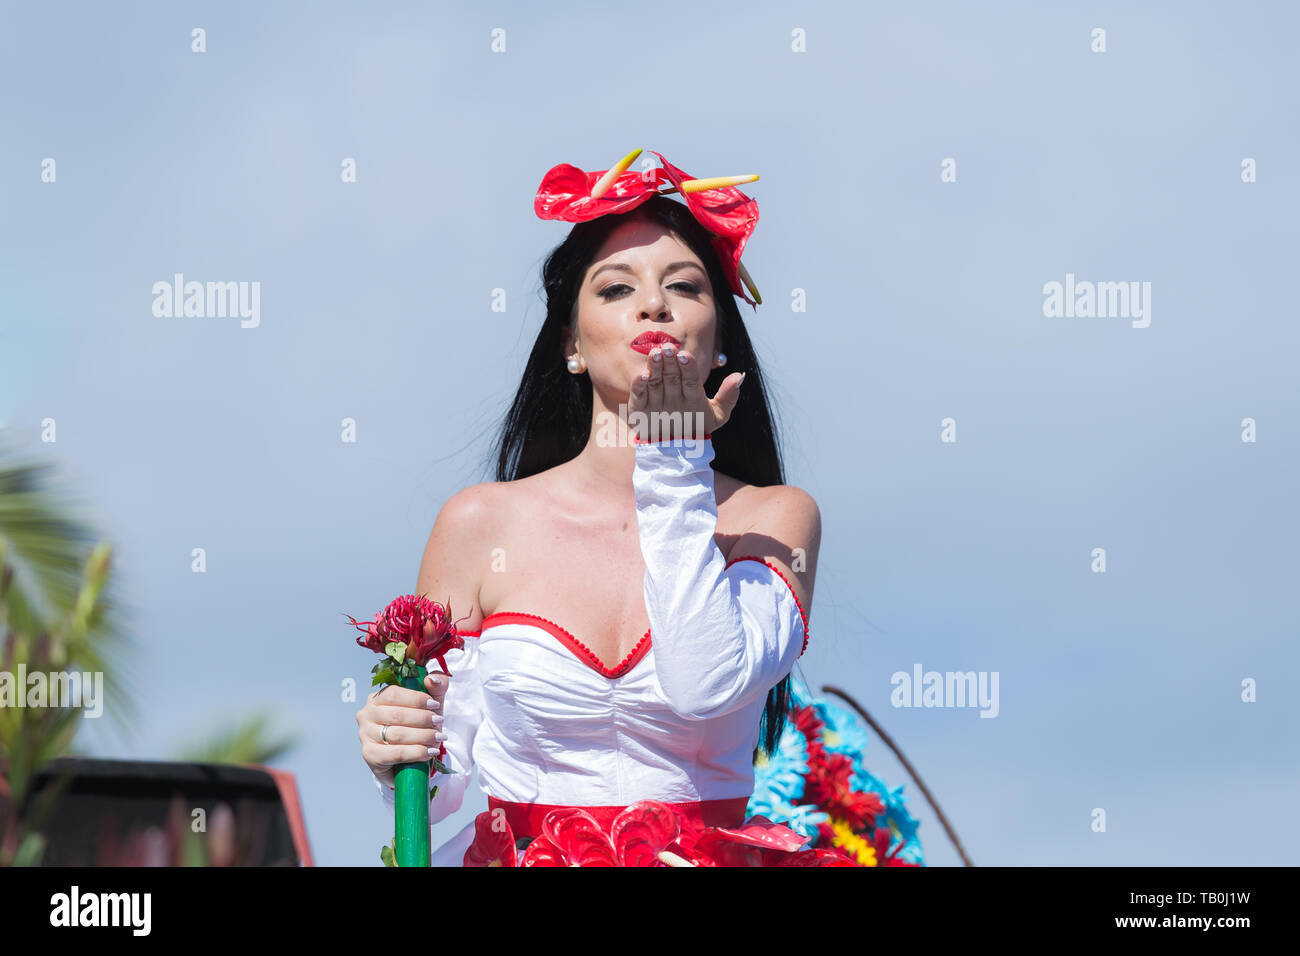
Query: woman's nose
point(653, 304)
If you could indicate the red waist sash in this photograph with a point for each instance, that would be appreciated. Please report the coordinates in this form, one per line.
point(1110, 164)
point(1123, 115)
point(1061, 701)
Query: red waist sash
point(525, 819)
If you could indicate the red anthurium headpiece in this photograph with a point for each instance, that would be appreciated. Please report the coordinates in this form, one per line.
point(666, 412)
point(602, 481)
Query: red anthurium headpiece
point(575, 195)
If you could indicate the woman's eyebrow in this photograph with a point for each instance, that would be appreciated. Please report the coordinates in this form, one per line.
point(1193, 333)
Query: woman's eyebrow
point(624, 267)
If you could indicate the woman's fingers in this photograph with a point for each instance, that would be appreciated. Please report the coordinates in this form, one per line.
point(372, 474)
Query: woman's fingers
point(399, 736)
point(689, 370)
point(383, 758)
point(655, 385)
point(395, 695)
point(673, 385)
point(406, 716)
point(724, 402)
point(401, 725)
point(672, 372)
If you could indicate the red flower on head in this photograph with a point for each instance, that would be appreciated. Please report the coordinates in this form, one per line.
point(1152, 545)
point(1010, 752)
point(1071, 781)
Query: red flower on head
point(565, 193)
point(728, 214)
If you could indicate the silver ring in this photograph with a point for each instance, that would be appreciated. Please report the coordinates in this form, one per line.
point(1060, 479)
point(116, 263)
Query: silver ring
point(383, 733)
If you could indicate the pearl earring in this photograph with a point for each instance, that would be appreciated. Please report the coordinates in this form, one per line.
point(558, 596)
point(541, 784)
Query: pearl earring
point(575, 365)
point(722, 359)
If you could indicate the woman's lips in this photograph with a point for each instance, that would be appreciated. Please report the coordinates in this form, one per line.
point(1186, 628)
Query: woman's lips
point(644, 342)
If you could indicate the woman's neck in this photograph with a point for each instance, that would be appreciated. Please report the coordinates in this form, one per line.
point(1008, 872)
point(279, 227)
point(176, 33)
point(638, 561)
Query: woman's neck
point(608, 458)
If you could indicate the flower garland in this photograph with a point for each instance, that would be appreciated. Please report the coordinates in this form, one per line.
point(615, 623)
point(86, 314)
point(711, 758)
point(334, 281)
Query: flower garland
point(817, 783)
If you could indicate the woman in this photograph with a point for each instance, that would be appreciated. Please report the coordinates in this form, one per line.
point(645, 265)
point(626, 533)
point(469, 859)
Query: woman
point(639, 575)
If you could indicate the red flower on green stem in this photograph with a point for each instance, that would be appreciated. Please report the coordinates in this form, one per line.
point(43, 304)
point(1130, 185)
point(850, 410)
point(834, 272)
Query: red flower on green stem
point(423, 630)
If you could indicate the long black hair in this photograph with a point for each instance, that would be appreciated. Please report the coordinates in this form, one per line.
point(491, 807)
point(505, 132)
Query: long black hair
point(549, 421)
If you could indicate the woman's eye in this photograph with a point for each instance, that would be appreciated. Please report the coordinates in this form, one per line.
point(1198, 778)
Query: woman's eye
point(686, 288)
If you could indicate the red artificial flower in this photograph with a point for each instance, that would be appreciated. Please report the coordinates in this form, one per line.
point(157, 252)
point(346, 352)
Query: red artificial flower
point(811, 726)
point(494, 844)
point(565, 193)
point(424, 626)
point(828, 785)
point(642, 834)
point(728, 214)
point(883, 853)
point(756, 842)
point(818, 856)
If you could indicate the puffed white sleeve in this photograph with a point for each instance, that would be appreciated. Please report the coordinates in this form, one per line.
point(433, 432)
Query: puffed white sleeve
point(462, 715)
point(724, 633)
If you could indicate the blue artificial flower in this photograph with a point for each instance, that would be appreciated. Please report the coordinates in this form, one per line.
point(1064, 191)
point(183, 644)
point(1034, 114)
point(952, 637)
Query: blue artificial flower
point(802, 817)
point(782, 772)
point(846, 733)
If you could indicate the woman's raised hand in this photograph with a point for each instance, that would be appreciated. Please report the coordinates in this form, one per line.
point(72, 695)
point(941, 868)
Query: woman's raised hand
point(673, 382)
point(414, 726)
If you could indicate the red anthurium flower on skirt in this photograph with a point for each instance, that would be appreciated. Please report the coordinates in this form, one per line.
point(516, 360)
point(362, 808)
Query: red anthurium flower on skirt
point(648, 833)
point(494, 844)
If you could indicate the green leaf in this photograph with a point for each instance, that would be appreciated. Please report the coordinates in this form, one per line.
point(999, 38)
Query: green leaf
point(440, 766)
point(396, 651)
point(385, 676)
point(388, 856)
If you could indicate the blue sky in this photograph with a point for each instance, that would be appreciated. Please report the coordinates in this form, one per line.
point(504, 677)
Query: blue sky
point(1119, 690)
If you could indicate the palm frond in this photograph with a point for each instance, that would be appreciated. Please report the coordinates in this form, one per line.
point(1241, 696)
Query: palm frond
point(249, 740)
point(46, 550)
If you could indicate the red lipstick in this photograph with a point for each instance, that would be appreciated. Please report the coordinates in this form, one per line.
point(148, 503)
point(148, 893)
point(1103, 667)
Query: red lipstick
point(644, 342)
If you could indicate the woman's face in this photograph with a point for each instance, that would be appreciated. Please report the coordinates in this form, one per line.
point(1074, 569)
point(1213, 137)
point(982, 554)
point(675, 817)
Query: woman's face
point(643, 280)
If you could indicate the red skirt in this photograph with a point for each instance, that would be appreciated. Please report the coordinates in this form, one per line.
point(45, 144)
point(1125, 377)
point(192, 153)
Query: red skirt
point(645, 833)
point(525, 819)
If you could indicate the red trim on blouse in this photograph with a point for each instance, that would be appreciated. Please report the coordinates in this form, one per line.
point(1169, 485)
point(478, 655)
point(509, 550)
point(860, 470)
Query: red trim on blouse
point(525, 819)
point(588, 656)
point(636, 439)
point(802, 613)
point(581, 650)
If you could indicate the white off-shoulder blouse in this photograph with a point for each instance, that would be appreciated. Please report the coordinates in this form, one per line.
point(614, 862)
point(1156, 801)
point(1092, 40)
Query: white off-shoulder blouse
point(546, 722)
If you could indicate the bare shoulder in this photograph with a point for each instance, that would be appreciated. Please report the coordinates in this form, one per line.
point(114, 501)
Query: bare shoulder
point(772, 508)
point(789, 513)
point(783, 526)
point(473, 511)
point(458, 552)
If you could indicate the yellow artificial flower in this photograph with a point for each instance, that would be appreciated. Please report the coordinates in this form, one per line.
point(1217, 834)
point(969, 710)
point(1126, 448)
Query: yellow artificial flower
point(851, 843)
